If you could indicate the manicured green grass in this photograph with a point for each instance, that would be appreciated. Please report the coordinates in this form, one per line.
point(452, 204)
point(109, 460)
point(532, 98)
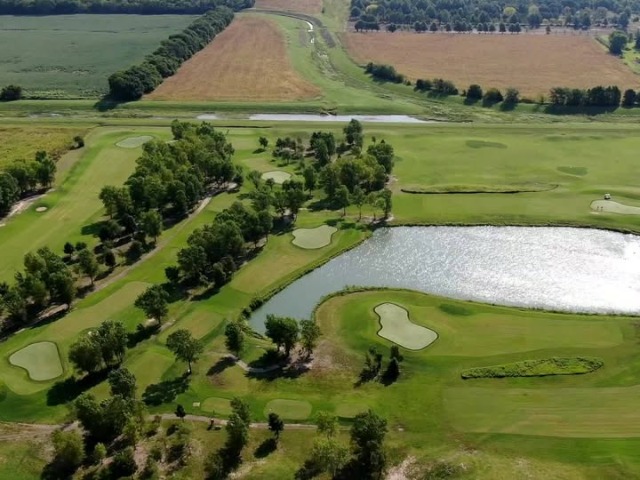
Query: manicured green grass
point(134, 142)
point(67, 55)
point(216, 405)
point(311, 238)
point(288, 409)
point(399, 329)
point(41, 360)
point(537, 368)
point(277, 176)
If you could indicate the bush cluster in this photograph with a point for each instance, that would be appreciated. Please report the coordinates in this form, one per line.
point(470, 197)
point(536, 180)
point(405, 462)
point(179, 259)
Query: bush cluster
point(537, 368)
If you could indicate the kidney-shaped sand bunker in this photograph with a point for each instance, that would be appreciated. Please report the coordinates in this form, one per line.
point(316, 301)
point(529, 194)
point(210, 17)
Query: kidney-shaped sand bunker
point(399, 329)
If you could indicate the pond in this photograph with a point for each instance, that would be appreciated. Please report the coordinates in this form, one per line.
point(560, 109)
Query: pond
point(563, 269)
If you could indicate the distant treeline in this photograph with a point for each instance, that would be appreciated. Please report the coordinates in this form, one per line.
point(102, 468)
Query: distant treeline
point(142, 7)
point(137, 80)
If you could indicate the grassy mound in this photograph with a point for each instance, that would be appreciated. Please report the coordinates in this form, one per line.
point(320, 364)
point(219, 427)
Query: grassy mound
point(537, 368)
point(397, 328)
point(477, 188)
point(218, 405)
point(289, 409)
point(134, 142)
point(277, 176)
point(610, 206)
point(312, 238)
point(41, 360)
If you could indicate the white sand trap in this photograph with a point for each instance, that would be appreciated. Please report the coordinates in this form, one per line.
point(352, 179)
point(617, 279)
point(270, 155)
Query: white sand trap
point(134, 142)
point(41, 360)
point(278, 176)
point(609, 206)
point(41, 209)
point(397, 328)
point(311, 238)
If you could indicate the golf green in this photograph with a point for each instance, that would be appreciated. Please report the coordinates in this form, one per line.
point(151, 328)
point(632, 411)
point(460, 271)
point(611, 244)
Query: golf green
point(312, 238)
point(134, 142)
point(41, 360)
point(278, 176)
point(397, 328)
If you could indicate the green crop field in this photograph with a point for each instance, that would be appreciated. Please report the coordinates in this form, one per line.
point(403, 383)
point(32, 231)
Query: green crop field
point(72, 55)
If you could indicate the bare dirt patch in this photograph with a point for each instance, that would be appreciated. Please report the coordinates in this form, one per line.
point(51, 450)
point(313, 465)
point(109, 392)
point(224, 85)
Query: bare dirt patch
point(248, 61)
point(297, 6)
point(531, 63)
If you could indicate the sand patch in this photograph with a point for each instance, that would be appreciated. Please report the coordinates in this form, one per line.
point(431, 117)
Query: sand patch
point(609, 206)
point(397, 328)
point(41, 209)
point(312, 238)
point(134, 142)
point(41, 360)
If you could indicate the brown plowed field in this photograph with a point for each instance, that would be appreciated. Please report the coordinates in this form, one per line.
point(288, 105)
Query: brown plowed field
point(531, 63)
point(248, 61)
point(297, 6)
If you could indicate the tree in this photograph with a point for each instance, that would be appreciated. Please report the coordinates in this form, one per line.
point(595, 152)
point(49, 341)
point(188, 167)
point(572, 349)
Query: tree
point(234, 338)
point(342, 199)
point(327, 424)
point(329, 455)
point(310, 178)
point(358, 198)
point(123, 464)
point(151, 223)
point(392, 372)
point(68, 248)
point(367, 439)
point(11, 93)
point(255, 177)
point(617, 42)
point(395, 353)
point(109, 258)
point(86, 355)
point(511, 96)
point(122, 382)
point(184, 346)
point(180, 412)
point(474, 92)
point(386, 202)
point(629, 98)
point(88, 264)
point(153, 302)
point(309, 334)
point(241, 408)
point(264, 142)
point(68, 451)
point(353, 133)
point(109, 230)
point(112, 338)
point(276, 425)
point(237, 436)
point(283, 331)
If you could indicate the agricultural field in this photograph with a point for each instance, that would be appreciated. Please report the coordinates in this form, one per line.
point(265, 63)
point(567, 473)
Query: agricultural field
point(297, 6)
point(531, 63)
point(73, 55)
point(249, 61)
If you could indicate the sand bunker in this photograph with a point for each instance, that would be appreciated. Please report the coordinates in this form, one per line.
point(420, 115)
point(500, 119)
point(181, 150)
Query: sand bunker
point(397, 328)
point(290, 409)
point(41, 209)
point(41, 361)
point(311, 238)
point(278, 176)
point(134, 142)
point(609, 206)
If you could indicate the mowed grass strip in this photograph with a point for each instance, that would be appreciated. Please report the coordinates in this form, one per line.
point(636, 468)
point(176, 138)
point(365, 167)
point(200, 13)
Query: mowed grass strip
point(556, 412)
point(249, 61)
point(531, 63)
point(289, 409)
point(296, 6)
point(537, 368)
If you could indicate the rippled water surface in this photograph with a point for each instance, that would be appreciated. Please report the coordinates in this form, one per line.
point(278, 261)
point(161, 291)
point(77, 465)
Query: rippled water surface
point(568, 269)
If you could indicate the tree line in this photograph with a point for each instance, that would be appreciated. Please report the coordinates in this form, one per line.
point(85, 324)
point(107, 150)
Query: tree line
point(438, 15)
point(137, 80)
point(139, 7)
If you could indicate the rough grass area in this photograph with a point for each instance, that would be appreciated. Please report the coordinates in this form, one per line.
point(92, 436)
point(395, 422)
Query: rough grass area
point(609, 206)
point(41, 360)
point(65, 55)
point(248, 61)
point(312, 238)
point(22, 143)
point(289, 409)
point(216, 405)
point(297, 6)
point(445, 189)
point(277, 176)
point(134, 142)
point(537, 368)
point(531, 63)
point(399, 329)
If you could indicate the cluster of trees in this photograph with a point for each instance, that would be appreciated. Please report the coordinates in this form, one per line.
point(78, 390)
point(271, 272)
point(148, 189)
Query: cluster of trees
point(437, 86)
point(137, 80)
point(286, 332)
point(10, 93)
point(372, 369)
point(101, 348)
point(593, 97)
point(140, 7)
point(492, 95)
point(385, 73)
point(21, 178)
point(442, 14)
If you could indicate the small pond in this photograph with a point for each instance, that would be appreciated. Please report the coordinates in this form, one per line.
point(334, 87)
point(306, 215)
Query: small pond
point(564, 269)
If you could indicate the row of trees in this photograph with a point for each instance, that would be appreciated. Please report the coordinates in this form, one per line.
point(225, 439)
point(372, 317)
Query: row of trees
point(580, 14)
point(139, 7)
point(137, 80)
point(385, 73)
point(21, 178)
point(593, 97)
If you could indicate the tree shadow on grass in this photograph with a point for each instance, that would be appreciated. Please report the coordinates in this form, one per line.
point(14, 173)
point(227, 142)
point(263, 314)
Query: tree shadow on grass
point(166, 391)
point(220, 366)
point(71, 388)
point(266, 448)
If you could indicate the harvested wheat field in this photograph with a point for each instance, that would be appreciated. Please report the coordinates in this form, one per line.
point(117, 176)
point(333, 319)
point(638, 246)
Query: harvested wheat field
point(531, 63)
point(297, 6)
point(248, 61)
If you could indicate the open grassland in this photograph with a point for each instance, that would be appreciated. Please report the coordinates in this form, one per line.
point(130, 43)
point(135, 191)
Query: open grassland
point(248, 61)
point(22, 143)
point(72, 55)
point(531, 63)
point(296, 6)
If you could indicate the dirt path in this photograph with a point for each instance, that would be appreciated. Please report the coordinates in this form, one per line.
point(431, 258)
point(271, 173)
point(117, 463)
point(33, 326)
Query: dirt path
point(222, 422)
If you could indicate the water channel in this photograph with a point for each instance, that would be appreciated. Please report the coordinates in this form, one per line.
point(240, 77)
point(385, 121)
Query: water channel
point(563, 269)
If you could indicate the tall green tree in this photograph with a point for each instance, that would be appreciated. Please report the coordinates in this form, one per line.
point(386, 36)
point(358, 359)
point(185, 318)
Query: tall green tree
point(276, 425)
point(367, 439)
point(122, 382)
point(309, 334)
point(184, 346)
point(283, 331)
point(153, 302)
point(234, 338)
point(358, 198)
point(151, 223)
point(617, 41)
point(68, 451)
point(342, 199)
point(88, 264)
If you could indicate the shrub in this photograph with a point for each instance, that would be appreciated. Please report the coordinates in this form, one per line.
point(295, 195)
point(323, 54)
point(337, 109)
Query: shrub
point(474, 92)
point(492, 96)
point(11, 93)
point(537, 368)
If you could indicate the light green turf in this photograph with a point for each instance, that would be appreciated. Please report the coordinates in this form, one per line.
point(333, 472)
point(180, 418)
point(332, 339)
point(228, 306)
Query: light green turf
point(289, 409)
point(278, 176)
point(41, 360)
point(217, 405)
point(609, 206)
point(311, 238)
point(134, 142)
point(399, 329)
point(350, 409)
